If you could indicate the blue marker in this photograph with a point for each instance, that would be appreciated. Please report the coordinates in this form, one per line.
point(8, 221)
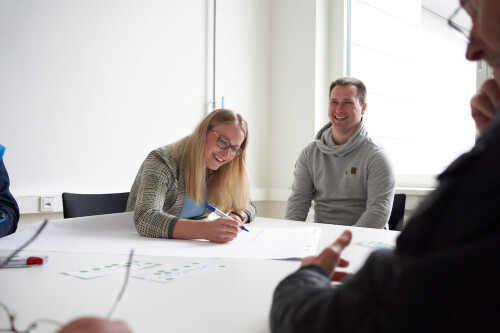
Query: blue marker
point(221, 214)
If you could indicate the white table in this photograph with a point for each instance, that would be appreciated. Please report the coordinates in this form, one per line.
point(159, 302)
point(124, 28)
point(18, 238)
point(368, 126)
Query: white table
point(235, 299)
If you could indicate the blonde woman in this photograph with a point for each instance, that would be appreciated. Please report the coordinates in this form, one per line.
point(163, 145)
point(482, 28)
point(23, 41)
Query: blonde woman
point(175, 182)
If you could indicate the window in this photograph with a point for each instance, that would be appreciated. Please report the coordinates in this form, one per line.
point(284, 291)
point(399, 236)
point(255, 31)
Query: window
point(419, 85)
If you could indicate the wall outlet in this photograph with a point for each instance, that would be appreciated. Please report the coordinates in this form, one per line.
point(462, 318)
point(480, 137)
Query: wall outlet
point(47, 204)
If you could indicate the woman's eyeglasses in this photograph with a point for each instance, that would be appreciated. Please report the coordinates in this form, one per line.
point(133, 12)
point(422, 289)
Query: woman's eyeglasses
point(223, 143)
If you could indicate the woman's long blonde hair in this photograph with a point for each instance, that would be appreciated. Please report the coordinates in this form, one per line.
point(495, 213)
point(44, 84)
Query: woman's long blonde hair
point(229, 185)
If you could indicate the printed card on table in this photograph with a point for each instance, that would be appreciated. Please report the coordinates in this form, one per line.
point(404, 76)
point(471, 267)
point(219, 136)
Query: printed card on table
point(178, 272)
point(375, 245)
point(113, 268)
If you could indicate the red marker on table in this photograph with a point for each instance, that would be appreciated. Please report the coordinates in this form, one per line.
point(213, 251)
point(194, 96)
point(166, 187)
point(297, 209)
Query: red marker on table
point(18, 261)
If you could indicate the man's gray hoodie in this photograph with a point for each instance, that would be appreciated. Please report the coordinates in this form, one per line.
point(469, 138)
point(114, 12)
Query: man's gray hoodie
point(351, 184)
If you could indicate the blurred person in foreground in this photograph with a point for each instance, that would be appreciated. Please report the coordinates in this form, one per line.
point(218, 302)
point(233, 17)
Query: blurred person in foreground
point(443, 275)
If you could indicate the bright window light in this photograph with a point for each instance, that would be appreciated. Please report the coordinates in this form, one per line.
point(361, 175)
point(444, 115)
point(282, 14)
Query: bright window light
point(419, 86)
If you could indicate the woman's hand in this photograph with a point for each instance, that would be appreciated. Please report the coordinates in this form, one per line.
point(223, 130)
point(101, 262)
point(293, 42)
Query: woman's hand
point(330, 259)
point(222, 230)
point(238, 218)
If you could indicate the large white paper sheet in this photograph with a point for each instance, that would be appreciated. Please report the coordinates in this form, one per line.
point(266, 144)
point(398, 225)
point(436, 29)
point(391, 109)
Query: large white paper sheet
point(116, 234)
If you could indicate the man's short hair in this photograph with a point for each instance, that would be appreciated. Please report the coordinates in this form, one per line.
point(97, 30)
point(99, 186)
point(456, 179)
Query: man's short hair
point(348, 81)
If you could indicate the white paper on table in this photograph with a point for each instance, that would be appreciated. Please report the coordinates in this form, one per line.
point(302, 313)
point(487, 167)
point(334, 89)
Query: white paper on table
point(116, 234)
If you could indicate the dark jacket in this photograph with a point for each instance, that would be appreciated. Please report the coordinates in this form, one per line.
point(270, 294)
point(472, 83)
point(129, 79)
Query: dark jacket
point(443, 276)
point(9, 211)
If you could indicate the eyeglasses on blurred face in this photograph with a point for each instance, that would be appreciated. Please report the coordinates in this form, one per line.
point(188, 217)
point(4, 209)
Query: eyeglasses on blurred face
point(461, 21)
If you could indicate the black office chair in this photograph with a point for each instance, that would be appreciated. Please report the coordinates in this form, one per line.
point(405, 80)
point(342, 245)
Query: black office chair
point(398, 210)
point(76, 205)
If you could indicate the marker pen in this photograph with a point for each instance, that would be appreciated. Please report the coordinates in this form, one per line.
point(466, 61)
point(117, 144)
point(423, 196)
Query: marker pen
point(18, 261)
point(221, 214)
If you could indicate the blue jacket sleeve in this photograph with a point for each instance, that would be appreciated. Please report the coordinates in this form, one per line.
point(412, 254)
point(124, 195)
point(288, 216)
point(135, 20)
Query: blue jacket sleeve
point(9, 210)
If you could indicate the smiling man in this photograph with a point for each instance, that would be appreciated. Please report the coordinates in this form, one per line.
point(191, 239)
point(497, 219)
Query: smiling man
point(346, 174)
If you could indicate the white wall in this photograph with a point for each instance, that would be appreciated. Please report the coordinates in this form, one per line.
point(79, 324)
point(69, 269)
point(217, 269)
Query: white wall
point(88, 88)
point(93, 86)
point(242, 74)
point(292, 80)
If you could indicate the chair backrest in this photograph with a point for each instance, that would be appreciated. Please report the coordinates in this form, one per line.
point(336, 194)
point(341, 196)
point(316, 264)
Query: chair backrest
point(76, 205)
point(398, 210)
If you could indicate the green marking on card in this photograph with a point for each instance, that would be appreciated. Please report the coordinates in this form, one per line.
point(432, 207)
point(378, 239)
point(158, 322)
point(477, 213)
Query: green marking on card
point(95, 269)
point(169, 279)
point(222, 266)
point(175, 269)
point(187, 265)
point(157, 273)
point(168, 273)
point(84, 271)
point(196, 263)
point(148, 263)
point(157, 264)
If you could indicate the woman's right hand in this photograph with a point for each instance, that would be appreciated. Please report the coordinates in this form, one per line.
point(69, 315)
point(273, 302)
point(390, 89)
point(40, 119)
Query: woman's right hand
point(222, 230)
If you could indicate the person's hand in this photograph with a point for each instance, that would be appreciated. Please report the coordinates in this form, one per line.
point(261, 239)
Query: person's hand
point(237, 218)
point(95, 325)
point(486, 102)
point(222, 230)
point(329, 259)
